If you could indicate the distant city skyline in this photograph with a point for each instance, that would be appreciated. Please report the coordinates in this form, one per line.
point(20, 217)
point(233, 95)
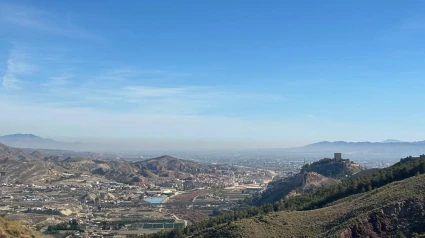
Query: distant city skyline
point(190, 74)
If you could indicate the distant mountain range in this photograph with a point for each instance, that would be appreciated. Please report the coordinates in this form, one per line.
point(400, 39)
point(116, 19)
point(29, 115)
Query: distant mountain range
point(391, 148)
point(386, 143)
point(387, 149)
point(392, 141)
point(36, 142)
point(18, 140)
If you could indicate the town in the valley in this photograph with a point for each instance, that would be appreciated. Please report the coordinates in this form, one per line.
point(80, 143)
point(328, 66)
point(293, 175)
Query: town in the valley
point(70, 194)
point(89, 197)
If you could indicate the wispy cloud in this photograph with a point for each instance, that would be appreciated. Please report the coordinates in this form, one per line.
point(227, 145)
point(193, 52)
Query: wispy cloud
point(150, 92)
point(125, 89)
point(155, 99)
point(17, 66)
point(37, 19)
point(58, 81)
point(123, 74)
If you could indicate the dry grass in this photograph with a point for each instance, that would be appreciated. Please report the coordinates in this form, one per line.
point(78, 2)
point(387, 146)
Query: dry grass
point(327, 221)
point(15, 229)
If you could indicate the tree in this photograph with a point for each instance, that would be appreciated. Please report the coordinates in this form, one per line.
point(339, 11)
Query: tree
point(216, 212)
point(400, 235)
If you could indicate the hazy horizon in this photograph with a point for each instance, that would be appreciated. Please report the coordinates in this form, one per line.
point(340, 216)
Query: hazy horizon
point(157, 145)
point(192, 75)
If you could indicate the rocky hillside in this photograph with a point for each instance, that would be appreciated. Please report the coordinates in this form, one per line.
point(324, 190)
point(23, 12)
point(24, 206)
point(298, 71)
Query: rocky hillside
point(294, 185)
point(26, 171)
point(313, 181)
point(341, 169)
point(167, 166)
point(20, 166)
point(14, 229)
point(10, 153)
point(319, 174)
point(389, 211)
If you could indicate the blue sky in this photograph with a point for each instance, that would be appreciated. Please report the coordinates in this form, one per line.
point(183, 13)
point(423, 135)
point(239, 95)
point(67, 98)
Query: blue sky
point(213, 74)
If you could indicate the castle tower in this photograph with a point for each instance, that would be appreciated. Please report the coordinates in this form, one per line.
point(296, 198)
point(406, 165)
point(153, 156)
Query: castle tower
point(337, 156)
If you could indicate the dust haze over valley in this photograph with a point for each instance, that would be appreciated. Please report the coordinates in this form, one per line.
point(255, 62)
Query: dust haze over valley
point(387, 150)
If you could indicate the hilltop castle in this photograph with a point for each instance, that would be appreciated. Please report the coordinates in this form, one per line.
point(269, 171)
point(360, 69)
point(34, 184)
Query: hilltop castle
point(338, 158)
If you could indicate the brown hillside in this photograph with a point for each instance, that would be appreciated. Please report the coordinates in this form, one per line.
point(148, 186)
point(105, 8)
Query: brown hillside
point(290, 186)
point(15, 229)
point(384, 212)
point(20, 166)
point(7, 152)
point(313, 181)
point(167, 166)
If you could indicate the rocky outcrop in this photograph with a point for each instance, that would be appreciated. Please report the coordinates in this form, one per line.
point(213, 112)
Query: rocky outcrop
point(407, 218)
point(313, 181)
point(294, 185)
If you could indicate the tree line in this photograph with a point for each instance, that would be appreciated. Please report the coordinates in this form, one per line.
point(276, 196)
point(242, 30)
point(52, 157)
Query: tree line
point(70, 225)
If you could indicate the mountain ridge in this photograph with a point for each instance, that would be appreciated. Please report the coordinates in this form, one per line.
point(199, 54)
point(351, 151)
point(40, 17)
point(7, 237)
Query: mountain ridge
point(10, 153)
point(21, 140)
point(362, 150)
point(388, 141)
point(392, 141)
point(36, 166)
point(25, 137)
